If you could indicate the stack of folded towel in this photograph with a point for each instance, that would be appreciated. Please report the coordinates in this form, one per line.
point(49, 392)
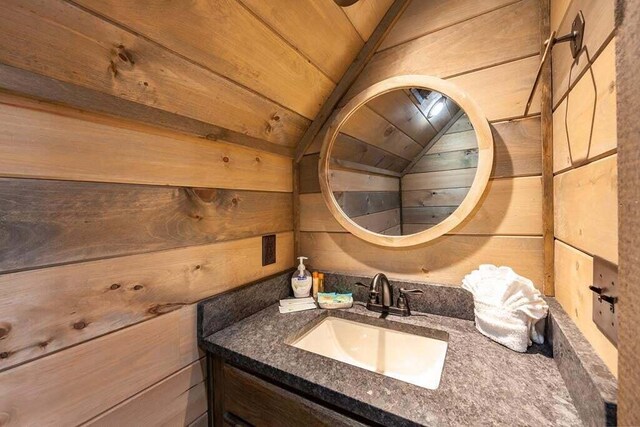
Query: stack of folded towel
point(508, 308)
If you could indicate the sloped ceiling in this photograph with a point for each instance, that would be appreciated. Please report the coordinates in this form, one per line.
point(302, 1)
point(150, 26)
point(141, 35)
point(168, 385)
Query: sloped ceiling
point(292, 53)
point(257, 71)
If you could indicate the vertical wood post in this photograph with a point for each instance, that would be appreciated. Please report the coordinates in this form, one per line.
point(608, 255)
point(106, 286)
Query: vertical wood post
point(546, 122)
point(628, 129)
point(296, 210)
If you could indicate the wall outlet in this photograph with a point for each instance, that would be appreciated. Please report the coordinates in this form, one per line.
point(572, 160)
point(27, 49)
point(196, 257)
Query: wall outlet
point(268, 249)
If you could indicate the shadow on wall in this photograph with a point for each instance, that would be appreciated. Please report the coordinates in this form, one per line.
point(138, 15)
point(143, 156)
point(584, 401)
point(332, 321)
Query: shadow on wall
point(507, 168)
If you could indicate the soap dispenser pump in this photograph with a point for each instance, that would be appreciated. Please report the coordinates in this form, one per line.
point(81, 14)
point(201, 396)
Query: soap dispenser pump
point(301, 281)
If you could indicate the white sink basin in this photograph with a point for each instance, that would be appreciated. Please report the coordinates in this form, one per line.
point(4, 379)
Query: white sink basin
point(407, 357)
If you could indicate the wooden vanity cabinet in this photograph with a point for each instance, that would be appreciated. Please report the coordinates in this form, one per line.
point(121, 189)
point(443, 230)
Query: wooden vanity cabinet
point(238, 398)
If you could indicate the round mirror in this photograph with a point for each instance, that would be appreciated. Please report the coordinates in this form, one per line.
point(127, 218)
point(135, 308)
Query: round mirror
point(406, 161)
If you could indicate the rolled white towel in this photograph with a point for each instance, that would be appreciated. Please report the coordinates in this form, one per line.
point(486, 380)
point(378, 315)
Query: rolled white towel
point(508, 307)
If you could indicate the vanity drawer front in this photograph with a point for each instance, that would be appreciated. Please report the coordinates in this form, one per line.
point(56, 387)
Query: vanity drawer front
point(261, 403)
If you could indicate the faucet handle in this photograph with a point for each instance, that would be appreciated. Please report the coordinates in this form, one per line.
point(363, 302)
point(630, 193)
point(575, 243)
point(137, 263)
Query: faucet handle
point(403, 302)
point(373, 294)
point(411, 291)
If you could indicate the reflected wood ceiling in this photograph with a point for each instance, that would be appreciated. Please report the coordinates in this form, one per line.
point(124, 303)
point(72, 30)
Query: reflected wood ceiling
point(392, 131)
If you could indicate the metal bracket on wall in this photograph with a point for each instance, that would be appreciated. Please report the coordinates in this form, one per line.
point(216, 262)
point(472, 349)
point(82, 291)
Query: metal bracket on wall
point(575, 38)
point(605, 297)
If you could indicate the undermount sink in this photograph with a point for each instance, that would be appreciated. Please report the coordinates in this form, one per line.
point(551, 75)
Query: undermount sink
point(416, 359)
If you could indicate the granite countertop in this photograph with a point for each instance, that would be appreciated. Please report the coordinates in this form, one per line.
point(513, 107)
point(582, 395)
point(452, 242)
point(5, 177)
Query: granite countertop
point(483, 383)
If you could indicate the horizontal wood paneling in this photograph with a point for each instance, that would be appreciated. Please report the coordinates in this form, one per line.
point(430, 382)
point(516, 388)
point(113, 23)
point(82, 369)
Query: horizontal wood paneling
point(586, 208)
point(365, 15)
point(442, 197)
point(379, 221)
point(440, 179)
point(509, 207)
point(69, 387)
point(173, 83)
point(318, 28)
point(445, 260)
point(517, 148)
point(315, 216)
point(573, 276)
point(53, 222)
point(600, 25)
point(342, 180)
point(446, 161)
point(584, 125)
point(59, 146)
point(45, 89)
point(228, 39)
point(455, 141)
point(487, 40)
point(45, 310)
point(427, 214)
point(502, 91)
point(422, 17)
point(175, 401)
point(356, 203)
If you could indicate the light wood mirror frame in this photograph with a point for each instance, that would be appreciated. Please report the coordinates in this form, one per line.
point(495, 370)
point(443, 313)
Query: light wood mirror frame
point(485, 158)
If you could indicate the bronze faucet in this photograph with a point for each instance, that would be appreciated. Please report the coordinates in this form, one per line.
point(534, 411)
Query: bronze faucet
point(381, 297)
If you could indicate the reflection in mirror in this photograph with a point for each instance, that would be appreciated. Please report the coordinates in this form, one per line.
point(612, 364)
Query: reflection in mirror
point(403, 162)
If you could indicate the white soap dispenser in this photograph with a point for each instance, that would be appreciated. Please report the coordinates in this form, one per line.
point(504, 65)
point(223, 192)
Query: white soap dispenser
point(301, 280)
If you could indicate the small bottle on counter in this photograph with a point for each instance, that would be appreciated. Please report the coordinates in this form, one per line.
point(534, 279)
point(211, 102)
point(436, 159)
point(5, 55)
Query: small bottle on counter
point(320, 282)
point(316, 281)
point(301, 281)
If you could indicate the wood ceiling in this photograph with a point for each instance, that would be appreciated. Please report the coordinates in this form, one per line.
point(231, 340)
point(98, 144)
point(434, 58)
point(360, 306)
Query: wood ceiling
point(245, 71)
point(392, 132)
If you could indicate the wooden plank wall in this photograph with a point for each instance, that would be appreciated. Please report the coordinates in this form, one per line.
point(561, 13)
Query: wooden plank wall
point(144, 150)
point(585, 162)
point(490, 49)
point(438, 182)
point(370, 200)
point(82, 260)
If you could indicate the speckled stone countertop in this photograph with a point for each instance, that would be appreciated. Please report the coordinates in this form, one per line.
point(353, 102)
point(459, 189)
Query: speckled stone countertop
point(483, 383)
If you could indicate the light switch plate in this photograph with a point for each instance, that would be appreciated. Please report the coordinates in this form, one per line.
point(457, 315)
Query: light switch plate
point(268, 249)
point(605, 277)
